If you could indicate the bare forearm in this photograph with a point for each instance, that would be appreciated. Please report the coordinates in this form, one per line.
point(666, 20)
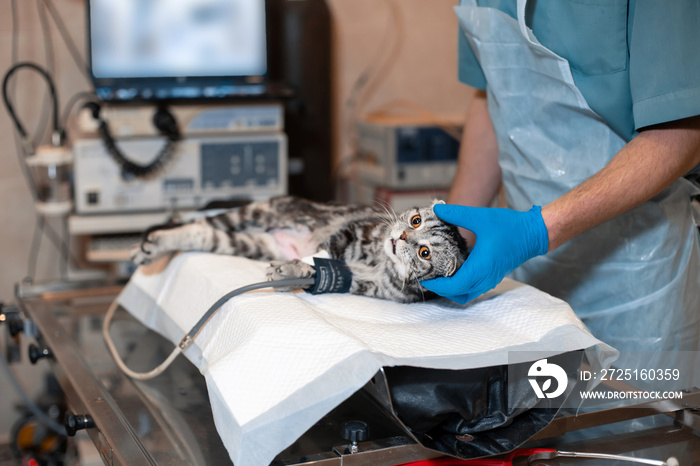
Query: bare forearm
point(643, 168)
point(478, 175)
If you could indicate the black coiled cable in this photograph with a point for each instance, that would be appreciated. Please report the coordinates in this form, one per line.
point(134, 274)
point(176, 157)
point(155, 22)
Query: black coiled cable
point(163, 120)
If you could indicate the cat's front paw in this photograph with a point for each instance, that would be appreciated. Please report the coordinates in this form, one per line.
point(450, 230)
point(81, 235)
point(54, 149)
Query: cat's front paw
point(147, 251)
point(283, 270)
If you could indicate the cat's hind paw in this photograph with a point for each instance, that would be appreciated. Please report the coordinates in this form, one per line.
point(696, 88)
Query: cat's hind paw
point(283, 270)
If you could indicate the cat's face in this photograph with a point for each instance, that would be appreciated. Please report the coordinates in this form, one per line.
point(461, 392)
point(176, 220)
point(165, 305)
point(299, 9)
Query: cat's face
point(422, 246)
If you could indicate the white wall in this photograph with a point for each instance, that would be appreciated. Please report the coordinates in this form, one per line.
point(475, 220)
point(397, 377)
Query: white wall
point(423, 71)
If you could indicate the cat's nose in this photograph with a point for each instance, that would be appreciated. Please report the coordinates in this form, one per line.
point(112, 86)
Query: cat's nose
point(403, 236)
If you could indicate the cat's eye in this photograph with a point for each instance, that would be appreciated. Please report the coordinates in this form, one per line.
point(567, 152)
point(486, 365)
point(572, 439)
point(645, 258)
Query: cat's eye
point(415, 221)
point(424, 252)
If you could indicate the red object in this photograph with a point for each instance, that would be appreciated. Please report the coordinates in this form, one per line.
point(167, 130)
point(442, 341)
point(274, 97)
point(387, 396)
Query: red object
point(507, 461)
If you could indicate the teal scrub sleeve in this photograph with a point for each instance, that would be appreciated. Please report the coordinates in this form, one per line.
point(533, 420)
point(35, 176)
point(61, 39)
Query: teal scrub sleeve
point(665, 61)
point(469, 71)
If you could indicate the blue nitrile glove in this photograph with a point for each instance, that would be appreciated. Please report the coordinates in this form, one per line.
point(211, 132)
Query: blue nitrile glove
point(504, 240)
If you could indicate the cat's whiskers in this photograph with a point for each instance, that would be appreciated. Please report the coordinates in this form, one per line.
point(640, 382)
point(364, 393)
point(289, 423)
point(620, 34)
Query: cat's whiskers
point(410, 276)
point(403, 283)
point(405, 275)
point(390, 216)
point(420, 288)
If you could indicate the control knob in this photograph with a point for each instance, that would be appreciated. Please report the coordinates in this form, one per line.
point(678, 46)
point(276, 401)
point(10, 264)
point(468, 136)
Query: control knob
point(76, 422)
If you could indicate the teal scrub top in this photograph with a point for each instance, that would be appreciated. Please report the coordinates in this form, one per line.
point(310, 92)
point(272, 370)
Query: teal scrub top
point(637, 62)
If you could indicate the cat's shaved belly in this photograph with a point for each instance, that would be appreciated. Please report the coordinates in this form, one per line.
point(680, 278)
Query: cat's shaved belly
point(295, 244)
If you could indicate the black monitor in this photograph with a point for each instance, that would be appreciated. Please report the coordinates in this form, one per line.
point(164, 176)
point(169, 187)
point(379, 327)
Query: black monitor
point(172, 50)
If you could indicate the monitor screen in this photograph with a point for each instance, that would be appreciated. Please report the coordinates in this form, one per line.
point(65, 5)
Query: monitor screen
point(175, 48)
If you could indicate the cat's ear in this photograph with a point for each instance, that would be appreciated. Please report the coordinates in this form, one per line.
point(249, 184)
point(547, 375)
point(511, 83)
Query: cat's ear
point(451, 266)
point(437, 201)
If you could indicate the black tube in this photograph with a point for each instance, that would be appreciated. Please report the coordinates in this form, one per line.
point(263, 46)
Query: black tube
point(9, 106)
point(291, 282)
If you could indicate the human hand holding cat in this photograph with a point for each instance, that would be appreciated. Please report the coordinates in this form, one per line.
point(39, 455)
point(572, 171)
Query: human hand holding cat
point(505, 239)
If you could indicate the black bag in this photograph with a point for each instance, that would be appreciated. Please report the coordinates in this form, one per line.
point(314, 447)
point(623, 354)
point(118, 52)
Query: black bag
point(475, 412)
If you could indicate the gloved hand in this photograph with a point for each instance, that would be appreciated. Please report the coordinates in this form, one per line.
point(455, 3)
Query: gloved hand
point(504, 240)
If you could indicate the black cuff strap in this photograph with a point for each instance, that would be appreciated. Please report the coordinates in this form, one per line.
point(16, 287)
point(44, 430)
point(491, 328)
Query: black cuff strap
point(332, 276)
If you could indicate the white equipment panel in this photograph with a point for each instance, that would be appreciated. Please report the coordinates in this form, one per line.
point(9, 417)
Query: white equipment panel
point(200, 170)
point(406, 153)
point(193, 120)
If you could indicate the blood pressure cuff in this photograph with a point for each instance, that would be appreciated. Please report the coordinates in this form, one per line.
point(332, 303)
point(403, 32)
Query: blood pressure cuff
point(475, 412)
point(332, 276)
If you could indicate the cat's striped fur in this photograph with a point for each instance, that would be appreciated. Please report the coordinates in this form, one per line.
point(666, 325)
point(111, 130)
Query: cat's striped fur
point(388, 254)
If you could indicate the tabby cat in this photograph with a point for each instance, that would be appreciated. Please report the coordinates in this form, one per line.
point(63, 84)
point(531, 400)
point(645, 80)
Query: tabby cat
point(388, 254)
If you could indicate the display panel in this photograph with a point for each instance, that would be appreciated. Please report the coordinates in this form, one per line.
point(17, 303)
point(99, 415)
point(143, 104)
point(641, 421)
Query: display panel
point(164, 49)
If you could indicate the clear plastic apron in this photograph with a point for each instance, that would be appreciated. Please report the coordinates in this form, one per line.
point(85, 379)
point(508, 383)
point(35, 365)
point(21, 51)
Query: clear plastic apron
point(634, 280)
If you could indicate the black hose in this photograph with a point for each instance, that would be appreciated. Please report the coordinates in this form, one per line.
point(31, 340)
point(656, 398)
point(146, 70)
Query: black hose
point(288, 283)
point(10, 107)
